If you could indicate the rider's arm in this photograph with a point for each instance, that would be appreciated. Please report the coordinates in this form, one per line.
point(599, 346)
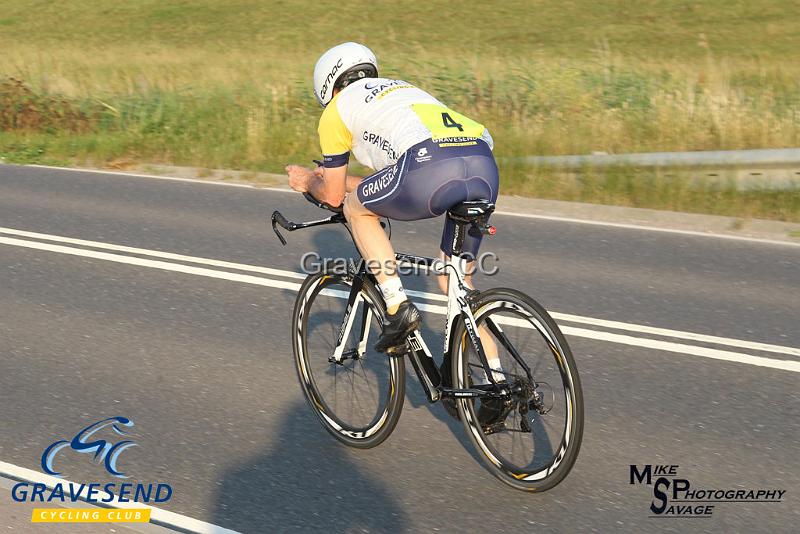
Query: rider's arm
point(336, 141)
point(325, 184)
point(352, 182)
point(330, 185)
point(330, 194)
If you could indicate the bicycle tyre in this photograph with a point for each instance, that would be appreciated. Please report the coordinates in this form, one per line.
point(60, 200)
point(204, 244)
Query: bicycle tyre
point(542, 478)
point(383, 424)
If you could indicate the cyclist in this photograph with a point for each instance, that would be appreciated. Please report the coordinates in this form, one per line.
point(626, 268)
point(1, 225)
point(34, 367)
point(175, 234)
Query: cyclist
point(427, 157)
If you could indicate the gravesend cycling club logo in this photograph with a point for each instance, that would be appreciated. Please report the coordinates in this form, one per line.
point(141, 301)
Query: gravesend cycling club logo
point(103, 443)
point(84, 443)
point(678, 497)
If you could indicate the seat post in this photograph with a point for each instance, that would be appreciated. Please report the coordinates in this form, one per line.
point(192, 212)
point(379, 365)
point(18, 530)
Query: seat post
point(458, 236)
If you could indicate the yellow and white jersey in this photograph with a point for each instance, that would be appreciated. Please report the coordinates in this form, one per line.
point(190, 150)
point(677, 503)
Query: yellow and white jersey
point(378, 119)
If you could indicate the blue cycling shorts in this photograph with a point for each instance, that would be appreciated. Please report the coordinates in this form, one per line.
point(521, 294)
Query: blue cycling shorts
point(428, 179)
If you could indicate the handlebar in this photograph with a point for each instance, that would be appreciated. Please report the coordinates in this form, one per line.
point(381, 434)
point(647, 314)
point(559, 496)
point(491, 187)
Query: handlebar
point(337, 218)
point(279, 220)
point(323, 205)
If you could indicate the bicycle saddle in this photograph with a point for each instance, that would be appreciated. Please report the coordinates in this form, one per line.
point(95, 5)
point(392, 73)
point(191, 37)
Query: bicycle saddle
point(471, 210)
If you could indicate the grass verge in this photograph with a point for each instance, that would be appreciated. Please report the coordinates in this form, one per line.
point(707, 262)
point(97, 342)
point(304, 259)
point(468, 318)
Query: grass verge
point(226, 84)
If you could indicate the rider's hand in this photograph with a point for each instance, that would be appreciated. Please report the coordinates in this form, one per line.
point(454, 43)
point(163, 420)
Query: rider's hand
point(299, 177)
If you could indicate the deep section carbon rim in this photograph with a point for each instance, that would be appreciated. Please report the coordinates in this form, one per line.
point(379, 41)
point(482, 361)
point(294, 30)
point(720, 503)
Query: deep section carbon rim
point(357, 394)
point(529, 435)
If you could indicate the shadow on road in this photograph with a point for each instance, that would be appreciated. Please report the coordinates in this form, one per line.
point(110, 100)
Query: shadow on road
point(307, 481)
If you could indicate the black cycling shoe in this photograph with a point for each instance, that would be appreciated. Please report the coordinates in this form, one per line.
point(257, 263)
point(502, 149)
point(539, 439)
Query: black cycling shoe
point(398, 326)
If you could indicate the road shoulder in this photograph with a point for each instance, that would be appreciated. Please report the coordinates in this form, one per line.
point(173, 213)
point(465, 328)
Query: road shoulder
point(576, 212)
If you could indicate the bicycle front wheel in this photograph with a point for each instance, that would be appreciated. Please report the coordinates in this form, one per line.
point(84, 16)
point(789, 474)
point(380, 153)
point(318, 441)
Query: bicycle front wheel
point(356, 392)
point(528, 428)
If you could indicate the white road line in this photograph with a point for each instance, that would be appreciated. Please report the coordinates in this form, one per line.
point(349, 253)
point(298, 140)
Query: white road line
point(787, 365)
point(508, 213)
point(141, 262)
point(170, 178)
point(643, 329)
point(715, 340)
point(680, 348)
point(154, 253)
point(669, 346)
point(650, 228)
point(157, 515)
point(616, 325)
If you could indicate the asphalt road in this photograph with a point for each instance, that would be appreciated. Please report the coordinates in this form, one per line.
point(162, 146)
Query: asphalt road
point(203, 365)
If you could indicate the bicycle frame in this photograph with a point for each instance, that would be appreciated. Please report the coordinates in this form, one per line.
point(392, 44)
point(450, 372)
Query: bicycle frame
point(458, 306)
point(418, 351)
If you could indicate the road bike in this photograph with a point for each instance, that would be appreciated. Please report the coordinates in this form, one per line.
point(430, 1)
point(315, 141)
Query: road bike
point(507, 372)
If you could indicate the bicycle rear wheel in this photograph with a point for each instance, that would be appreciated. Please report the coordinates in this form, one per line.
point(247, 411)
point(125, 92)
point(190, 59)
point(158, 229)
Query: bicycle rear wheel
point(357, 393)
point(529, 429)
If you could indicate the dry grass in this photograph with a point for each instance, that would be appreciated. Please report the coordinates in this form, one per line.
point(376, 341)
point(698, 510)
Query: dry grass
point(226, 84)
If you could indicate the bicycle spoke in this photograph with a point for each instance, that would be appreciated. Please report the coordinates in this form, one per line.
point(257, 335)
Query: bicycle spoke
point(356, 389)
point(518, 436)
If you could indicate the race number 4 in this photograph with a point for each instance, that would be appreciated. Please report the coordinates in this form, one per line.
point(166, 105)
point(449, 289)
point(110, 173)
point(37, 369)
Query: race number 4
point(444, 122)
point(448, 122)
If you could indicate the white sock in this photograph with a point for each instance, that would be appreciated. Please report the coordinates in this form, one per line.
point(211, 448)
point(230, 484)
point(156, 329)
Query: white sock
point(393, 292)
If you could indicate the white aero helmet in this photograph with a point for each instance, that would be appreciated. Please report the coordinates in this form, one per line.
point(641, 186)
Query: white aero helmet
point(341, 65)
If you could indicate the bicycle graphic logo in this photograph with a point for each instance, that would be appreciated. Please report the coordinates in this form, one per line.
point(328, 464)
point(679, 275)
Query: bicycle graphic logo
point(104, 451)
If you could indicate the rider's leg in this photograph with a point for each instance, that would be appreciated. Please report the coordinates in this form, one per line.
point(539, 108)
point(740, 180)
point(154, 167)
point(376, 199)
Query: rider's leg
point(442, 279)
point(402, 316)
point(375, 247)
point(487, 339)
